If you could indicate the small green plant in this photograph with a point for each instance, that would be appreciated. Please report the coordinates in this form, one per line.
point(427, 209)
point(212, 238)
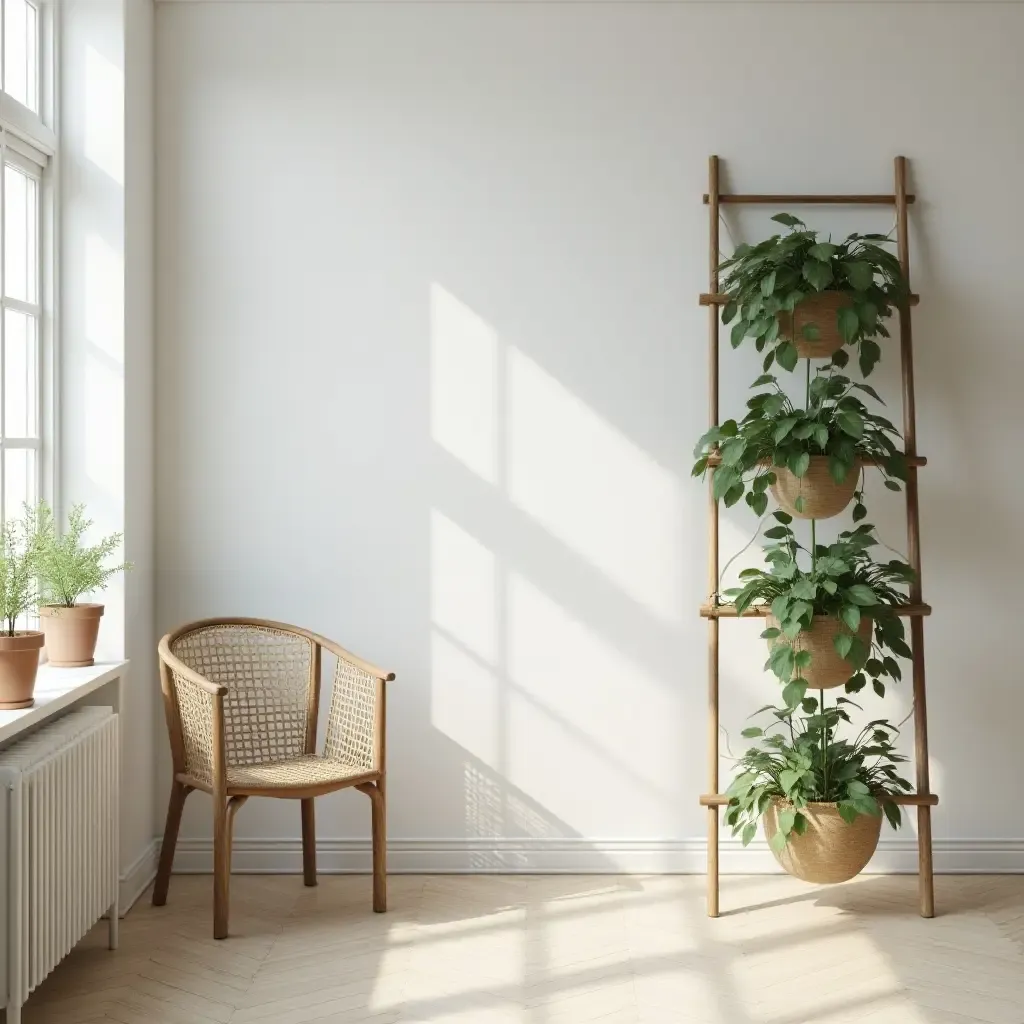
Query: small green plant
point(775, 275)
point(774, 433)
point(66, 567)
point(18, 574)
point(841, 581)
point(806, 761)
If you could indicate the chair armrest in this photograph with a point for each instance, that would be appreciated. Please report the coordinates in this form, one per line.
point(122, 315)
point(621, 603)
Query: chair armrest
point(195, 717)
point(354, 660)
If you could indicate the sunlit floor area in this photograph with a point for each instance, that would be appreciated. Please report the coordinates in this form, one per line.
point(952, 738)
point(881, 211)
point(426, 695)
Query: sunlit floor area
point(564, 950)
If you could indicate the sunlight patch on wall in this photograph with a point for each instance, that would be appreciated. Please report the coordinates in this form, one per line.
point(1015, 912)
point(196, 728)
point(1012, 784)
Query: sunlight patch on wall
point(464, 639)
point(595, 490)
point(578, 698)
point(465, 700)
point(104, 297)
point(104, 114)
point(463, 384)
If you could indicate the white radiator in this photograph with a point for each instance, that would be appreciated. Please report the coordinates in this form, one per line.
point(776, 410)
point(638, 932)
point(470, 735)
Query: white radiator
point(60, 850)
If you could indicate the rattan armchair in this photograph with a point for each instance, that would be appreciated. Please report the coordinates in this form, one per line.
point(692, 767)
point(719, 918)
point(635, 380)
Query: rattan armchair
point(241, 698)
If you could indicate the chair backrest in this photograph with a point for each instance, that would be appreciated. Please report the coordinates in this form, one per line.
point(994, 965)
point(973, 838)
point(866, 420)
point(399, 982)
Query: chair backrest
point(266, 670)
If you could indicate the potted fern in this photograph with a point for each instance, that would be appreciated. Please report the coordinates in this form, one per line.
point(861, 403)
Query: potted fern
point(68, 570)
point(811, 458)
point(800, 297)
point(832, 622)
point(19, 648)
point(820, 797)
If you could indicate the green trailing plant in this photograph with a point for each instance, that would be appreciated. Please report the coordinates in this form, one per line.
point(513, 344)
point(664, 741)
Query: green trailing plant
point(803, 760)
point(842, 581)
point(67, 567)
point(775, 433)
point(18, 573)
point(774, 276)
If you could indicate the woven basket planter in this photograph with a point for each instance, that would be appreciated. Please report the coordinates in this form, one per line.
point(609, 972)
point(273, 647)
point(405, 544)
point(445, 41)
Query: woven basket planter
point(823, 497)
point(826, 669)
point(830, 850)
point(821, 310)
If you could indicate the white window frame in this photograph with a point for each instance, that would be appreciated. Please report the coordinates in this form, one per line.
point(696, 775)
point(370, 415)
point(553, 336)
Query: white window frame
point(28, 141)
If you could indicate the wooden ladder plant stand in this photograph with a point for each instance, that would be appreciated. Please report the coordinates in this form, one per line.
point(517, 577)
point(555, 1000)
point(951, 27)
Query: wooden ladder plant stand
point(923, 799)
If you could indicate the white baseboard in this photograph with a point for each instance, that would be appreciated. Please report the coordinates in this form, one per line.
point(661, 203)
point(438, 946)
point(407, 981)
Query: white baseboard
point(137, 876)
point(578, 856)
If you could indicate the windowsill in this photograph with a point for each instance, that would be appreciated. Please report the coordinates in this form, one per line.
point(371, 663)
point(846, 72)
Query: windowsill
point(56, 690)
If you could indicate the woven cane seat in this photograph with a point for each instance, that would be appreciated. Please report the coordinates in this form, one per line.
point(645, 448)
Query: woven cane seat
point(295, 773)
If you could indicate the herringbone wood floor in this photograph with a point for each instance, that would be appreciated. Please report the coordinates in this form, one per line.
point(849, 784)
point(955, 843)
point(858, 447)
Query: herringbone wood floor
point(555, 950)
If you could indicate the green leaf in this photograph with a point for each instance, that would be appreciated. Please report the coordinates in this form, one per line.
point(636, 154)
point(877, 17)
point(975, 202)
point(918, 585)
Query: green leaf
point(799, 462)
point(870, 353)
point(842, 642)
point(729, 311)
point(850, 422)
point(811, 332)
point(823, 251)
point(788, 219)
point(862, 594)
point(850, 614)
point(749, 831)
point(800, 824)
point(892, 485)
point(837, 468)
point(739, 332)
point(786, 818)
point(859, 512)
point(786, 355)
point(860, 274)
point(751, 732)
point(817, 274)
point(847, 812)
point(768, 284)
point(793, 693)
point(849, 323)
point(778, 842)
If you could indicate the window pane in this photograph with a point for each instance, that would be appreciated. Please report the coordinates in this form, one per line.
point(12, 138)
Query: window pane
point(19, 481)
point(21, 47)
point(20, 219)
point(20, 381)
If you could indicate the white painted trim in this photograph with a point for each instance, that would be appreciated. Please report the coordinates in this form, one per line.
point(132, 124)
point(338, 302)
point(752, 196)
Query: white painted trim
point(578, 856)
point(136, 877)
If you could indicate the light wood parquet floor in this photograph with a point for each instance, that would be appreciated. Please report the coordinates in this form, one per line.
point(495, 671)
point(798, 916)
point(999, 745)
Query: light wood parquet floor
point(555, 950)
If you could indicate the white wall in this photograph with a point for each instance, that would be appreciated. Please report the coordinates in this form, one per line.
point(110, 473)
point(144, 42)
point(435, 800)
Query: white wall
point(431, 366)
point(106, 454)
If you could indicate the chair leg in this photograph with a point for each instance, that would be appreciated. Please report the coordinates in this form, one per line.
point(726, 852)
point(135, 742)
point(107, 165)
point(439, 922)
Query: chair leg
point(378, 805)
point(179, 791)
point(308, 842)
point(223, 829)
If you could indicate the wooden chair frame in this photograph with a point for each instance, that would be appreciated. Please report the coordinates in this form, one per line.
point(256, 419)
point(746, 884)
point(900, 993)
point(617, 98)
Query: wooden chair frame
point(228, 799)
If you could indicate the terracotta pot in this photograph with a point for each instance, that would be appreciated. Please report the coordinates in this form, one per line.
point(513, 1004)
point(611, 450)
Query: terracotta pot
point(826, 669)
point(823, 497)
point(821, 310)
point(70, 633)
point(19, 662)
point(831, 849)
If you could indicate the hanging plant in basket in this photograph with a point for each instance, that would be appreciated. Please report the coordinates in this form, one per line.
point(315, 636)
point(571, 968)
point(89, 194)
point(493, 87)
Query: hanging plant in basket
point(832, 622)
point(821, 797)
point(798, 297)
point(810, 458)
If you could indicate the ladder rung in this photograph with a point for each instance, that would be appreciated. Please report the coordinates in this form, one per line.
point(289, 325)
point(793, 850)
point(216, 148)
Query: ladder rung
point(903, 799)
point(720, 299)
point(728, 611)
point(810, 200)
point(912, 460)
